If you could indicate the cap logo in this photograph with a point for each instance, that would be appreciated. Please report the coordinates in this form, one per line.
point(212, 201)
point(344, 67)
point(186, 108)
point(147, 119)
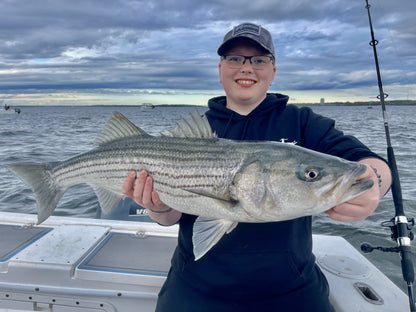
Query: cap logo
point(246, 28)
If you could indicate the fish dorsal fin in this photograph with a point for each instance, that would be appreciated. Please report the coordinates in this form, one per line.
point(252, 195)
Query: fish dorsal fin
point(195, 127)
point(118, 127)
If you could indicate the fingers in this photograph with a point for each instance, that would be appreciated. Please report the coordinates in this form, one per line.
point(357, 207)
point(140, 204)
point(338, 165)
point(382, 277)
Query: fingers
point(144, 189)
point(127, 187)
point(139, 187)
point(346, 213)
point(140, 191)
point(360, 207)
point(357, 209)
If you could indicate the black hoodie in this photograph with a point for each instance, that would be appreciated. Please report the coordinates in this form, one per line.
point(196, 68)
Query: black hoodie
point(270, 263)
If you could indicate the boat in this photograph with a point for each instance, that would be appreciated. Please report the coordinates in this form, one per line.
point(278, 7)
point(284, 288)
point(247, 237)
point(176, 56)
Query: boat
point(86, 264)
point(147, 106)
point(7, 109)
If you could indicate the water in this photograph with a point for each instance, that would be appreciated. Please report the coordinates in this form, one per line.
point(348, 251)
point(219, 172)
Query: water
point(44, 134)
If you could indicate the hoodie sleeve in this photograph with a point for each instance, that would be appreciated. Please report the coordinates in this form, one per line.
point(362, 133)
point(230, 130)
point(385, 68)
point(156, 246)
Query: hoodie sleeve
point(319, 133)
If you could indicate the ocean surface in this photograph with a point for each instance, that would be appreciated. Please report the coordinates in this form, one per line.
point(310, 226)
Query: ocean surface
point(45, 134)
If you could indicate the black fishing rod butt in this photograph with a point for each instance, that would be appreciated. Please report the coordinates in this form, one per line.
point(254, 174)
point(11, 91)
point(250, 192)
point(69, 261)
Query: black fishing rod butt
point(366, 248)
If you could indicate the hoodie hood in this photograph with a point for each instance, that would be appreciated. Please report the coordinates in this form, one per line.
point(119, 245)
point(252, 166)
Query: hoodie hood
point(231, 125)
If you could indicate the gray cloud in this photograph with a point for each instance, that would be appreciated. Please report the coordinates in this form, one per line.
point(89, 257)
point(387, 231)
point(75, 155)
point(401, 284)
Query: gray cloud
point(172, 44)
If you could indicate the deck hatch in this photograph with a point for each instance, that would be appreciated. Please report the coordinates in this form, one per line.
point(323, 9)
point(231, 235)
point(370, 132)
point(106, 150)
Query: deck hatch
point(124, 253)
point(14, 238)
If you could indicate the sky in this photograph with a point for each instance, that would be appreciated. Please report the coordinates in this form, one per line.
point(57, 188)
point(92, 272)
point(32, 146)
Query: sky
point(102, 52)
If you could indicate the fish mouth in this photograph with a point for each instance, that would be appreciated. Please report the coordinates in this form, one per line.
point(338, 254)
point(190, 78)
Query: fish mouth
point(354, 187)
point(347, 186)
point(362, 186)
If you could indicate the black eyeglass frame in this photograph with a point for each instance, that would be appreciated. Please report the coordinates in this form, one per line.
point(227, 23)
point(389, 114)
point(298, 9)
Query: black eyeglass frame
point(271, 57)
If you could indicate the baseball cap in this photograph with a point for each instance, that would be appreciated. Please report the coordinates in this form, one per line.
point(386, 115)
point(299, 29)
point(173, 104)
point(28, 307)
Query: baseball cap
point(248, 30)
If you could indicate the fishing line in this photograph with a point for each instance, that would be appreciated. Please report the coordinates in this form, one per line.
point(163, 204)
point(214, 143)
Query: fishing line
point(400, 225)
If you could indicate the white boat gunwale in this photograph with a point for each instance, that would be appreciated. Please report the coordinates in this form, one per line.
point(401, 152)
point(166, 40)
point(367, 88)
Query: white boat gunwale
point(59, 279)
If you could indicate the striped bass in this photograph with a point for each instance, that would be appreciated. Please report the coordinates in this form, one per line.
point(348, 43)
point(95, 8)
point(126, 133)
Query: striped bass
point(222, 181)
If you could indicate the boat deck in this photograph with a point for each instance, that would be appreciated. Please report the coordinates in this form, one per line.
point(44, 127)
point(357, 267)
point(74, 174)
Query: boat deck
point(74, 264)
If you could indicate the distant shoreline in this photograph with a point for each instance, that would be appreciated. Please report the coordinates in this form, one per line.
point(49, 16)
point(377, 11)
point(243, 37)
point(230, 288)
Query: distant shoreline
point(367, 103)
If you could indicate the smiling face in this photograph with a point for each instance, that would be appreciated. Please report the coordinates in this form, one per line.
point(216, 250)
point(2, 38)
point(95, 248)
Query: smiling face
point(246, 87)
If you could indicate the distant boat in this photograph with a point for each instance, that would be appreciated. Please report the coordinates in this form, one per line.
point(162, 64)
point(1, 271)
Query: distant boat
point(147, 106)
point(8, 109)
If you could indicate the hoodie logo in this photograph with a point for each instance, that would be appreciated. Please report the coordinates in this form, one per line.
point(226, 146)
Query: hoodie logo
point(286, 141)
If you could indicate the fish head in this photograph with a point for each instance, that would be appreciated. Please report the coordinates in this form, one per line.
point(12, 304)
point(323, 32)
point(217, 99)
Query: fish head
point(302, 182)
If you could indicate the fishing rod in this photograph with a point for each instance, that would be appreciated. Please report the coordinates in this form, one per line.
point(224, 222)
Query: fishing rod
point(400, 225)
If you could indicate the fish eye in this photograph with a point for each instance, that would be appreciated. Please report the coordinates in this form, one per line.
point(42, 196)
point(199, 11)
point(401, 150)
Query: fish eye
point(311, 174)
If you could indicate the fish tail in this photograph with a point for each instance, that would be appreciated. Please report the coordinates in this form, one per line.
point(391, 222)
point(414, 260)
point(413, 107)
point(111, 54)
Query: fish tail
point(39, 179)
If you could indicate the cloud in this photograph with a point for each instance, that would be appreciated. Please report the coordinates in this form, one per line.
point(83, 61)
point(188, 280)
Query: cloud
point(171, 44)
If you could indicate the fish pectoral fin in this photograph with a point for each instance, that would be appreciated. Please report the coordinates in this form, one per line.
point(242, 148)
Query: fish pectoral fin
point(207, 233)
point(107, 199)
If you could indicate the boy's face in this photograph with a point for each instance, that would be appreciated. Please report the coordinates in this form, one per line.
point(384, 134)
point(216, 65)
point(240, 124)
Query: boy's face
point(245, 87)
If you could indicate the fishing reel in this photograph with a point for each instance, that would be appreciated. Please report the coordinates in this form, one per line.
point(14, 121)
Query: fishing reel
point(405, 224)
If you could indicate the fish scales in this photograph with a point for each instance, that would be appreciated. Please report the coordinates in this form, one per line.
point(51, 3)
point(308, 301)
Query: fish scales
point(223, 182)
point(195, 165)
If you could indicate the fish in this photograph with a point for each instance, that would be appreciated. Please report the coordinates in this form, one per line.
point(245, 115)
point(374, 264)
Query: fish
point(223, 182)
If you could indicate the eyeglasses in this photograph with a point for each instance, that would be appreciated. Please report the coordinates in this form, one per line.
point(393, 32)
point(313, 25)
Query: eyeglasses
point(256, 61)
